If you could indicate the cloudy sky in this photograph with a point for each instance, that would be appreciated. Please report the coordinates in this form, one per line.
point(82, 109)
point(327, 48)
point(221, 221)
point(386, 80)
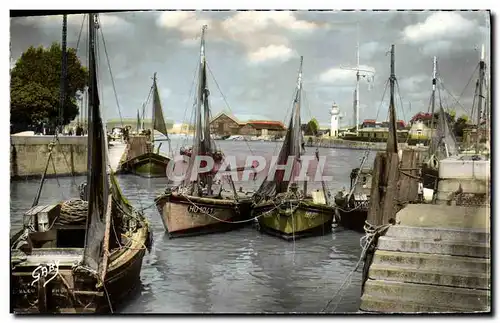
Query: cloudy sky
point(254, 58)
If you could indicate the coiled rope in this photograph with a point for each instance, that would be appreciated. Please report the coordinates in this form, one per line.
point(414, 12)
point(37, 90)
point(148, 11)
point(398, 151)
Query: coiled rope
point(73, 211)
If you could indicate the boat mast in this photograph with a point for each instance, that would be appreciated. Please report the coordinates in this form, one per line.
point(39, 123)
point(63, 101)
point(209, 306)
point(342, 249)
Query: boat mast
point(153, 113)
point(482, 66)
point(199, 131)
point(433, 101)
point(64, 73)
point(297, 127)
point(356, 99)
point(392, 141)
point(61, 104)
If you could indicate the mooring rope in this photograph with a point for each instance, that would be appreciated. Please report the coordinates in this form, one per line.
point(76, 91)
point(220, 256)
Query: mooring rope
point(241, 221)
point(366, 241)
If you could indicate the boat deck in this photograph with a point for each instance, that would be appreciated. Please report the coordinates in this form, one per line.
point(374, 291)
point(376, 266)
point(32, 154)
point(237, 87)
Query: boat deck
point(64, 256)
point(116, 151)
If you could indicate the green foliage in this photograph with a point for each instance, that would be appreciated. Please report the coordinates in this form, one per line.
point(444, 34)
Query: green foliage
point(312, 128)
point(460, 125)
point(35, 86)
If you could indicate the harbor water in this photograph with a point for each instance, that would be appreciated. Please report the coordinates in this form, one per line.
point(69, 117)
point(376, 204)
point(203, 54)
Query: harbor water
point(242, 271)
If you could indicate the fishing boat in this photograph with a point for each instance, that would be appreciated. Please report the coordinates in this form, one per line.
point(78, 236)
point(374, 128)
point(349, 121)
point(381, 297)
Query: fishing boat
point(200, 203)
point(81, 255)
point(281, 208)
point(353, 205)
point(151, 164)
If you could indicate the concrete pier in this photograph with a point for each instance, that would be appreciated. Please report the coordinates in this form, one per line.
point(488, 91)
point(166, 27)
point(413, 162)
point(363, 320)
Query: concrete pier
point(338, 143)
point(436, 259)
point(28, 156)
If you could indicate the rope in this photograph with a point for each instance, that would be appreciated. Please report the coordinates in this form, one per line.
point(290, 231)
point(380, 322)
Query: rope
point(366, 241)
point(241, 221)
point(73, 211)
point(100, 282)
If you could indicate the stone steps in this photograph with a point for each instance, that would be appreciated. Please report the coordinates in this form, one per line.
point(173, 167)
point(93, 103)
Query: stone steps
point(438, 234)
point(430, 276)
point(423, 260)
point(444, 216)
point(434, 298)
point(400, 305)
point(453, 248)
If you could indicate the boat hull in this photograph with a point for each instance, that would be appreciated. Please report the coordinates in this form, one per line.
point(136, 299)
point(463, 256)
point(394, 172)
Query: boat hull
point(147, 165)
point(430, 177)
point(304, 221)
point(189, 216)
point(352, 216)
point(354, 219)
point(74, 291)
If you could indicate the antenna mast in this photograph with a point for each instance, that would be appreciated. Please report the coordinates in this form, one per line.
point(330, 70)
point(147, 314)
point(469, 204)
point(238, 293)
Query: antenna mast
point(359, 73)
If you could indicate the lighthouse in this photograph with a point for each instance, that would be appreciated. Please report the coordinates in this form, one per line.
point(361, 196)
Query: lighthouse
point(334, 121)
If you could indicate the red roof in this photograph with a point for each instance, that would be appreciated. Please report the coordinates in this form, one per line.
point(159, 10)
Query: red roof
point(421, 116)
point(263, 124)
point(370, 121)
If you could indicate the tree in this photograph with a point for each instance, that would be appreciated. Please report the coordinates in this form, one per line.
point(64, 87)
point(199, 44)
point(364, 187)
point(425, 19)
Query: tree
point(460, 125)
point(35, 87)
point(312, 128)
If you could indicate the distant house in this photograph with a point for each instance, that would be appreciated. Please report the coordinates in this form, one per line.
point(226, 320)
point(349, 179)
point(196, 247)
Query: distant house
point(263, 128)
point(225, 124)
point(372, 123)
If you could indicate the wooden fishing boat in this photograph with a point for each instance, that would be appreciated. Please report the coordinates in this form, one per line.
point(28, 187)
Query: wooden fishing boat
point(200, 205)
point(353, 205)
point(82, 255)
point(281, 209)
point(151, 164)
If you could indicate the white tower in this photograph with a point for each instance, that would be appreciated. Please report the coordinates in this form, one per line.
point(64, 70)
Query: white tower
point(334, 121)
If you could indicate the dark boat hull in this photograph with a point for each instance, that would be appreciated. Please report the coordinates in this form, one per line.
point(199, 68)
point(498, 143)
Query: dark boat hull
point(306, 220)
point(430, 177)
point(190, 216)
point(353, 220)
point(147, 165)
point(351, 216)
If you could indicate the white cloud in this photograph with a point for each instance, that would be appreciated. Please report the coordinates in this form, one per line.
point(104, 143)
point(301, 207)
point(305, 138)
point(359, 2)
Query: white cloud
point(367, 50)
point(340, 76)
point(261, 33)
point(413, 83)
point(444, 24)
point(437, 47)
point(271, 53)
point(252, 21)
point(189, 23)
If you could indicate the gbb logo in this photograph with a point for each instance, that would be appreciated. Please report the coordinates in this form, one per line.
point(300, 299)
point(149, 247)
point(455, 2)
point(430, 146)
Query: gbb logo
point(200, 209)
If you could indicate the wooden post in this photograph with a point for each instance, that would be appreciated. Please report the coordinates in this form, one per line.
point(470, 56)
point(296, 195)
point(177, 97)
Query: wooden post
point(378, 170)
point(388, 202)
point(408, 191)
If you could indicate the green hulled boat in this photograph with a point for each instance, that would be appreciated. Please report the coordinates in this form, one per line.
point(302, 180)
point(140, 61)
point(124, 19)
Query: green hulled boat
point(151, 163)
point(281, 208)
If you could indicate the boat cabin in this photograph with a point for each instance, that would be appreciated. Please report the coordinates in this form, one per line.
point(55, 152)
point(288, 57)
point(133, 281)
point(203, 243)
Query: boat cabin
point(49, 234)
